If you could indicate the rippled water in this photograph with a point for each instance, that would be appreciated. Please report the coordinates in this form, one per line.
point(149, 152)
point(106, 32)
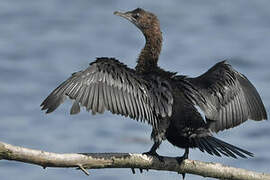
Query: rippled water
point(43, 42)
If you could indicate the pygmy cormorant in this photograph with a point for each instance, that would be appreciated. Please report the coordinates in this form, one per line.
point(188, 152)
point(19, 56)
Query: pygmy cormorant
point(164, 99)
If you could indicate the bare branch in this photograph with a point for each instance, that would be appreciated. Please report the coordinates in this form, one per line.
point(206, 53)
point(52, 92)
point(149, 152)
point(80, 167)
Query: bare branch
point(85, 161)
point(83, 170)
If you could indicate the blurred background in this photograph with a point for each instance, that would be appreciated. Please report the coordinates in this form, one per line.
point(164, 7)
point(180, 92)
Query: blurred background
point(43, 42)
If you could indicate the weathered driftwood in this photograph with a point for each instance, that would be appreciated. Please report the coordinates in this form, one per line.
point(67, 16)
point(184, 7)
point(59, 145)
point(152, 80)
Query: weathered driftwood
point(85, 161)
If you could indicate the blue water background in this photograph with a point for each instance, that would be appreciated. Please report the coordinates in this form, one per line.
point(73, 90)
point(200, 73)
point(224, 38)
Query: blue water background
point(43, 42)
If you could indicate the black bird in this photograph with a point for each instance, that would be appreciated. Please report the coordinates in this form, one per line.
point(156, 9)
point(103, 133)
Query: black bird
point(164, 99)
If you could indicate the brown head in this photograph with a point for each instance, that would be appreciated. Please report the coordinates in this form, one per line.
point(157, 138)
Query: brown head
point(148, 23)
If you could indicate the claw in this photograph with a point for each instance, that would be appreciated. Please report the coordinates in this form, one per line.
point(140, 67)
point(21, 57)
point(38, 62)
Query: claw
point(133, 171)
point(183, 175)
point(155, 154)
point(181, 159)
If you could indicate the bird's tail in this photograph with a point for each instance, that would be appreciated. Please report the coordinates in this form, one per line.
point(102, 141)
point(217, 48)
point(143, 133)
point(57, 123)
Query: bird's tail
point(217, 147)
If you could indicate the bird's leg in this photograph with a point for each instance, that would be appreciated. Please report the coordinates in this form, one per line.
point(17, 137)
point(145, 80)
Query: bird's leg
point(153, 152)
point(182, 158)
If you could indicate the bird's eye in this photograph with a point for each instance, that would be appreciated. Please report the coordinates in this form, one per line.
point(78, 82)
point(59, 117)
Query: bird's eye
point(136, 16)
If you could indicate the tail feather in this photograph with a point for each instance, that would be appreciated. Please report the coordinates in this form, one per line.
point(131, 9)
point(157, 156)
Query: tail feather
point(211, 146)
point(240, 152)
point(204, 146)
point(217, 147)
point(223, 150)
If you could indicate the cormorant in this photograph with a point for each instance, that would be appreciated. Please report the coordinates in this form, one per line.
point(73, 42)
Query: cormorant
point(164, 99)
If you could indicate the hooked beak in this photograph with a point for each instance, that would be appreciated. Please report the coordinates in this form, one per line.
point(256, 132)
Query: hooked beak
point(128, 16)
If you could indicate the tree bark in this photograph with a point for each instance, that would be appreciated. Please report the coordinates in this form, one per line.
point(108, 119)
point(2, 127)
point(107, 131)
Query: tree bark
point(85, 161)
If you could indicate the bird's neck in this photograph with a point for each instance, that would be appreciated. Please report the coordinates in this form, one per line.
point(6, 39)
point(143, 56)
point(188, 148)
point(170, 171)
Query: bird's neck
point(149, 55)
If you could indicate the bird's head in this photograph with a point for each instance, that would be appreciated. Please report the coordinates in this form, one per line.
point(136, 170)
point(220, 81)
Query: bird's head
point(146, 21)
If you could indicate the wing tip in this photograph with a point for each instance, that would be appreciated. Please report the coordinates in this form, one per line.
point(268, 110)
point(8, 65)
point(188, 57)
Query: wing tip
point(51, 103)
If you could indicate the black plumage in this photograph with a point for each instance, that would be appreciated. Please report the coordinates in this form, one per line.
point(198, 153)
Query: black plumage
point(107, 84)
point(163, 99)
point(230, 97)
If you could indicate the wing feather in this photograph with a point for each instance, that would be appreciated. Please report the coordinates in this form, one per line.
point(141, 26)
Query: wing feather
point(108, 84)
point(230, 98)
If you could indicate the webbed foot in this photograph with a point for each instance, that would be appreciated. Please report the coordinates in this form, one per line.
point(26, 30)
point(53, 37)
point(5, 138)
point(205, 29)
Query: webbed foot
point(155, 154)
point(181, 159)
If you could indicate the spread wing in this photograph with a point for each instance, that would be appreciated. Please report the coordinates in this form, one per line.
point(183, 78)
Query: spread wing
point(230, 98)
point(108, 84)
